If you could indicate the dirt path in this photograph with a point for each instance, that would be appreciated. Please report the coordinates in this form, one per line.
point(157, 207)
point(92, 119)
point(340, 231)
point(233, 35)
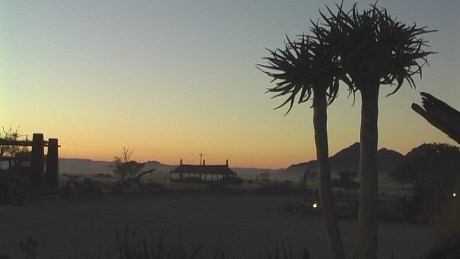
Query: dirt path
point(244, 225)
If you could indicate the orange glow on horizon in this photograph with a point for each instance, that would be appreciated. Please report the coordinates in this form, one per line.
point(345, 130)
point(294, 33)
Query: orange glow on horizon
point(271, 161)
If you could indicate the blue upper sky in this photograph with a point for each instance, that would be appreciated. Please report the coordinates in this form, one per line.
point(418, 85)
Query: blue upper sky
point(172, 78)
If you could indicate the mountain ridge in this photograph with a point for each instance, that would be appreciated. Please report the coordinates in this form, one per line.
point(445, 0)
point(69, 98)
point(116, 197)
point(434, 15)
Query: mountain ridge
point(347, 159)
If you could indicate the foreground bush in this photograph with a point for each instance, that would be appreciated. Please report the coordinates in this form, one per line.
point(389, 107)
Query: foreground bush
point(232, 180)
point(132, 245)
point(86, 187)
point(286, 187)
point(288, 253)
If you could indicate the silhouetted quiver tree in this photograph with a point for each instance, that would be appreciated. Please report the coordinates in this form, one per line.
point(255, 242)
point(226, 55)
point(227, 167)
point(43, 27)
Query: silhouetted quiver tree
point(372, 49)
point(305, 70)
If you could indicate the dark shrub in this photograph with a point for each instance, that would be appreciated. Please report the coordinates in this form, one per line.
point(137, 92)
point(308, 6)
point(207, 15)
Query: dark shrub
point(14, 187)
point(101, 175)
point(154, 187)
point(132, 245)
point(286, 187)
point(73, 187)
point(300, 205)
point(288, 253)
point(232, 180)
point(250, 181)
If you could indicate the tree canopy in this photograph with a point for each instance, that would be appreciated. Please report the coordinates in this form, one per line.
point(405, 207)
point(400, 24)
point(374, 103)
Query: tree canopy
point(124, 166)
point(434, 169)
point(430, 164)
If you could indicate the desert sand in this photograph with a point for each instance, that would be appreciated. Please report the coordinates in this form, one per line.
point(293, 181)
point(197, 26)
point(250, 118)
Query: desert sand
point(244, 225)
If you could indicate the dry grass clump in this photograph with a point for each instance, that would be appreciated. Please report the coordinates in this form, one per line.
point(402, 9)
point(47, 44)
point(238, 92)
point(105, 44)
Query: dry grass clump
point(28, 248)
point(14, 187)
point(75, 187)
point(285, 187)
point(401, 209)
point(300, 205)
point(132, 245)
point(447, 223)
point(287, 253)
point(446, 232)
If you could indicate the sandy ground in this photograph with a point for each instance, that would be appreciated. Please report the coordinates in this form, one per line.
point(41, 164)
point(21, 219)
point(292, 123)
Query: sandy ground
point(243, 225)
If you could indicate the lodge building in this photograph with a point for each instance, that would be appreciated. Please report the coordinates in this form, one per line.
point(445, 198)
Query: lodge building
point(201, 173)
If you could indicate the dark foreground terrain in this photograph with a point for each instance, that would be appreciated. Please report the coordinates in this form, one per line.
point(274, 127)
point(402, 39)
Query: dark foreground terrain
point(243, 225)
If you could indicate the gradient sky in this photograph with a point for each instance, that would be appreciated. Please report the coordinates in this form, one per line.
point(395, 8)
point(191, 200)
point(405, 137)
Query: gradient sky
point(171, 78)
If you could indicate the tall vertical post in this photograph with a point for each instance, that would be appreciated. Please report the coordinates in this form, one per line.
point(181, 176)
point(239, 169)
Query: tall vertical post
point(201, 157)
point(37, 161)
point(52, 165)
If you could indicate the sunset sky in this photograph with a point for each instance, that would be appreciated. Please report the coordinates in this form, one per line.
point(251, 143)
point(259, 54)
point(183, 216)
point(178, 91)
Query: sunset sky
point(173, 78)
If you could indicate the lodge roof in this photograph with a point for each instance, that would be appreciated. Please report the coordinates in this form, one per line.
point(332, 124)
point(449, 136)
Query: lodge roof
point(203, 169)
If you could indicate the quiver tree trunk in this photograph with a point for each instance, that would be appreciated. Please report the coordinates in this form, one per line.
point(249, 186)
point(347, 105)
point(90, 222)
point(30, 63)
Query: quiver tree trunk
point(324, 175)
point(368, 194)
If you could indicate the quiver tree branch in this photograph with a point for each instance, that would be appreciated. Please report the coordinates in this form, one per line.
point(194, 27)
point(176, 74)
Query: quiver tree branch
point(440, 115)
point(120, 186)
point(137, 178)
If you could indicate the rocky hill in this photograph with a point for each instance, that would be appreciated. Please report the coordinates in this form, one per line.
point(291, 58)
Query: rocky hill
point(348, 160)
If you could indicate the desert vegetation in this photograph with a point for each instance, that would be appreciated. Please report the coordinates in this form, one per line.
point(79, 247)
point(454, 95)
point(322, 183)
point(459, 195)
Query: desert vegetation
point(433, 169)
point(14, 182)
point(290, 199)
point(429, 166)
point(134, 245)
point(235, 223)
point(358, 50)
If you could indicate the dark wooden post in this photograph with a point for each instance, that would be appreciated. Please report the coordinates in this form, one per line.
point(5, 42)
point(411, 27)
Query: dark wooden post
point(52, 165)
point(37, 162)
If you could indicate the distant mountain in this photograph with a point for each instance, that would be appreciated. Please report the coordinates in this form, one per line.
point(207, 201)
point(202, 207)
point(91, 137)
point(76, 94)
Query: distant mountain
point(83, 166)
point(418, 151)
point(253, 173)
point(90, 167)
point(344, 160)
point(348, 160)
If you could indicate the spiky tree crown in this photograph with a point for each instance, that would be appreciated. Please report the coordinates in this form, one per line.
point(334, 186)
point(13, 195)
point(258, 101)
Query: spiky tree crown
point(372, 45)
point(352, 47)
point(300, 69)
